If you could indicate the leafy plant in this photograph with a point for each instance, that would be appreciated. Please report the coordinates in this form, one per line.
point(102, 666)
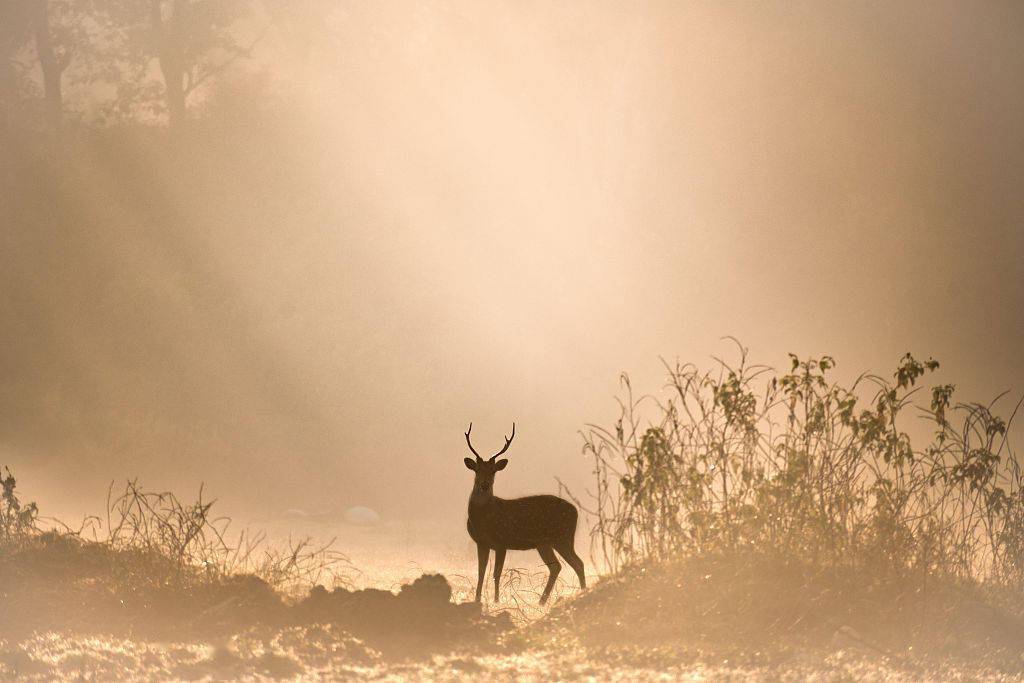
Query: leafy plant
point(745, 457)
point(16, 520)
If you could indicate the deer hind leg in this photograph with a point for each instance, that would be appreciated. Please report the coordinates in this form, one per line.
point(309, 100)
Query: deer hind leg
point(499, 562)
point(481, 556)
point(567, 551)
point(554, 566)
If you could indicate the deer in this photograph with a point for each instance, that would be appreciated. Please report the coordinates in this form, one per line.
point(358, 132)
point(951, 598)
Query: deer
point(543, 523)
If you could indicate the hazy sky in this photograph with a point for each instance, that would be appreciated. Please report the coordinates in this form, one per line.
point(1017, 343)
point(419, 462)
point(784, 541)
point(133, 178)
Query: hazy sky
point(527, 198)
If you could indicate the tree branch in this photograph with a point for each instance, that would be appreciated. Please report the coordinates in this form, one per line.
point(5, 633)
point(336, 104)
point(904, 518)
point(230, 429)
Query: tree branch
point(237, 53)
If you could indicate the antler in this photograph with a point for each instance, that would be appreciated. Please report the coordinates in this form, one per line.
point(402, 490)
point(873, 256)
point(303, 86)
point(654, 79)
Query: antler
point(470, 443)
point(508, 442)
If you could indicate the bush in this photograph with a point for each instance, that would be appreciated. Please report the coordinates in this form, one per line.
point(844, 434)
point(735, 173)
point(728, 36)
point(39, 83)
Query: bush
point(743, 457)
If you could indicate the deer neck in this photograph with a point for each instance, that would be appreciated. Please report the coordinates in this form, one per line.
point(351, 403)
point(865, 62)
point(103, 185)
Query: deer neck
point(478, 498)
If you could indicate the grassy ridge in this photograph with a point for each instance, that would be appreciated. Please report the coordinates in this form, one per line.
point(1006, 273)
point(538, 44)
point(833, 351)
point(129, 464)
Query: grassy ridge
point(748, 515)
point(153, 564)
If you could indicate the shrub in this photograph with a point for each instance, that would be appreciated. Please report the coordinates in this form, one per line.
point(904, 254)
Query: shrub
point(743, 457)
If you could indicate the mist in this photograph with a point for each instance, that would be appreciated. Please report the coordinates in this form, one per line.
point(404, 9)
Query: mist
point(284, 253)
point(487, 212)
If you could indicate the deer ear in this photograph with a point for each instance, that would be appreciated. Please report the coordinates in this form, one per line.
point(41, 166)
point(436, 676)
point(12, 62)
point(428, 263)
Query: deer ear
point(500, 465)
point(469, 463)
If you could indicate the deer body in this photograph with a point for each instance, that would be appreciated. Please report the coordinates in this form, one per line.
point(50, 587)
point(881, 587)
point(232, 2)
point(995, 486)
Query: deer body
point(521, 523)
point(544, 523)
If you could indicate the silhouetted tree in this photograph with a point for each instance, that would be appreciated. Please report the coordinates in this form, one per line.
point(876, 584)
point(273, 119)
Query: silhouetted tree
point(192, 41)
point(52, 34)
point(15, 33)
point(53, 59)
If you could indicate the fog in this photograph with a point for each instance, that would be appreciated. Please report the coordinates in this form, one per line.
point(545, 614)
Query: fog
point(485, 212)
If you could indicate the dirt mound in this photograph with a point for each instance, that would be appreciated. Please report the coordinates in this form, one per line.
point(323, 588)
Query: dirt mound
point(419, 620)
point(759, 610)
point(59, 583)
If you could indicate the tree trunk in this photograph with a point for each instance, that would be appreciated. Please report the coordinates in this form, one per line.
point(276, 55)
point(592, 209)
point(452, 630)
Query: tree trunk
point(51, 66)
point(8, 92)
point(169, 39)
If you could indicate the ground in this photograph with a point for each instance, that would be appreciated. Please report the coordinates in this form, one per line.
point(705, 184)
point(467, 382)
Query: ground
point(718, 618)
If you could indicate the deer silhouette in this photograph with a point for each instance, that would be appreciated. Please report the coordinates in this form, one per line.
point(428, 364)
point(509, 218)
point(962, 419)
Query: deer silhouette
point(545, 523)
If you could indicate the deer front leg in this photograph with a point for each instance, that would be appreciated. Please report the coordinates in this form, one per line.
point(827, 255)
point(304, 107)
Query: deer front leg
point(554, 566)
point(499, 562)
point(481, 557)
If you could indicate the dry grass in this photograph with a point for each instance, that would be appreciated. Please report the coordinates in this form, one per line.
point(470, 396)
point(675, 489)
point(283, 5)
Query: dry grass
point(153, 564)
point(198, 544)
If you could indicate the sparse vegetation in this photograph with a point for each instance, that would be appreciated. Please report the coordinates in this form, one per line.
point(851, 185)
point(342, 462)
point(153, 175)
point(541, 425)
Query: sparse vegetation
point(788, 507)
point(165, 541)
point(195, 545)
point(795, 463)
point(154, 564)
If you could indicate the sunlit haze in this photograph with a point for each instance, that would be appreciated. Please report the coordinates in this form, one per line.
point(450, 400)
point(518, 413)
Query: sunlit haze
point(489, 211)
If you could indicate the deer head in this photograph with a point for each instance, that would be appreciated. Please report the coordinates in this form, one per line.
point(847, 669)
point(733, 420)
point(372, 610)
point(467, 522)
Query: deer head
point(485, 470)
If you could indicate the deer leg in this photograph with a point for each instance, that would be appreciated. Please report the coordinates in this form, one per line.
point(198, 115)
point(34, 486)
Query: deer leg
point(499, 563)
point(554, 566)
point(481, 557)
point(567, 551)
